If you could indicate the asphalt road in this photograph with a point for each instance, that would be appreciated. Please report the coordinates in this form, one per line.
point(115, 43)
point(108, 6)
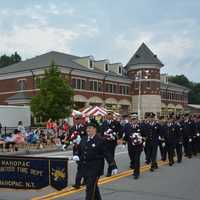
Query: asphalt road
point(182, 181)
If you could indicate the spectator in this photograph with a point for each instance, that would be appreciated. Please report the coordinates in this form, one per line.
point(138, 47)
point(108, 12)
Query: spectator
point(19, 137)
point(10, 142)
point(21, 128)
point(2, 143)
point(33, 137)
point(0, 128)
point(42, 139)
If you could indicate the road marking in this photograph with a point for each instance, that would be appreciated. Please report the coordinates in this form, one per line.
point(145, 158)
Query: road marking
point(104, 180)
point(117, 154)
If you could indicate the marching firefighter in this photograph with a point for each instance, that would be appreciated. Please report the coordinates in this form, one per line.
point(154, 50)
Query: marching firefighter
point(161, 140)
point(91, 153)
point(110, 131)
point(133, 137)
point(197, 131)
point(152, 133)
point(179, 139)
point(196, 136)
point(170, 139)
point(188, 129)
point(76, 133)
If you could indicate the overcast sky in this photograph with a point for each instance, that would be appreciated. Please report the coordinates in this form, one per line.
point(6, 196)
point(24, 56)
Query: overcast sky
point(111, 29)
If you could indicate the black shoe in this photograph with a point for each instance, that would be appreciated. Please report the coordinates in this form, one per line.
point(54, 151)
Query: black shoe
point(179, 161)
point(151, 169)
point(76, 186)
point(170, 164)
point(147, 162)
point(136, 177)
point(108, 175)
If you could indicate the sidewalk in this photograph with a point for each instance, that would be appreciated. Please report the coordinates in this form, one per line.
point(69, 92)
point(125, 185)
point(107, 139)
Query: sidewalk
point(31, 151)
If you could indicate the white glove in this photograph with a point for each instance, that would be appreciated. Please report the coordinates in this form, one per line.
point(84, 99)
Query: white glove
point(144, 143)
point(163, 144)
point(190, 140)
point(114, 171)
point(75, 158)
point(198, 134)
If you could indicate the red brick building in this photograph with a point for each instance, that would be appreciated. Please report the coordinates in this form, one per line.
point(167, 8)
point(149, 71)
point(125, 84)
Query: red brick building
point(136, 87)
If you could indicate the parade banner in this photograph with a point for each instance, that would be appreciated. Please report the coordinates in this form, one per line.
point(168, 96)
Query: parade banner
point(33, 173)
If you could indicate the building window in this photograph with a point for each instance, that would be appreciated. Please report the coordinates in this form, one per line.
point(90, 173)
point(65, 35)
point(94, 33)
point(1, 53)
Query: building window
point(148, 85)
point(95, 86)
point(78, 84)
point(120, 70)
point(111, 88)
point(91, 64)
point(124, 89)
point(106, 67)
point(21, 84)
point(38, 81)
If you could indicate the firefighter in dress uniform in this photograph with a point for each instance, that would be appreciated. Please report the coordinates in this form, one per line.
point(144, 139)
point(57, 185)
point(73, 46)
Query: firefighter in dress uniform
point(110, 131)
point(134, 139)
point(91, 153)
point(152, 133)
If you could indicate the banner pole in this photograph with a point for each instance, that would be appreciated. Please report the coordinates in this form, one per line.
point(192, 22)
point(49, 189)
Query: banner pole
point(49, 163)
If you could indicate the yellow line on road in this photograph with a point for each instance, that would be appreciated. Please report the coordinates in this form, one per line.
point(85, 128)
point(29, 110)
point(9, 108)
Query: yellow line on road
point(70, 190)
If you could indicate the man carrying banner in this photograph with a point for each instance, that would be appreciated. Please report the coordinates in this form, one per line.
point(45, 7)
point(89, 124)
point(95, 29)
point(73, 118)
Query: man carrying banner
point(90, 154)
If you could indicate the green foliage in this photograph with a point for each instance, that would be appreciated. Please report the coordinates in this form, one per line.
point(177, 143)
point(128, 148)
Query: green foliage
point(194, 94)
point(55, 97)
point(8, 60)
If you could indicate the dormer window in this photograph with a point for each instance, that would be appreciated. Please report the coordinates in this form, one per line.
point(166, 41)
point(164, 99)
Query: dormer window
point(106, 67)
point(120, 70)
point(91, 64)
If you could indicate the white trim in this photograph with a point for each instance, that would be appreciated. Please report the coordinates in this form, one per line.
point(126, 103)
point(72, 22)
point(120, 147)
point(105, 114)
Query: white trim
point(75, 77)
point(95, 99)
point(18, 91)
point(111, 101)
point(147, 80)
point(144, 66)
point(80, 98)
point(89, 91)
point(10, 102)
point(124, 102)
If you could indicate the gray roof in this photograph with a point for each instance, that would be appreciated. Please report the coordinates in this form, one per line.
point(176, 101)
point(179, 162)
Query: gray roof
point(144, 56)
point(170, 85)
point(19, 96)
point(44, 60)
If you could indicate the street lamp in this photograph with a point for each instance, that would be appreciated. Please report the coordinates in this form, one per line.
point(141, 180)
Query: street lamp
point(139, 78)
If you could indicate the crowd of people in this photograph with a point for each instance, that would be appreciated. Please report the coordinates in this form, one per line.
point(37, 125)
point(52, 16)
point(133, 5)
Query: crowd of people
point(96, 141)
point(41, 137)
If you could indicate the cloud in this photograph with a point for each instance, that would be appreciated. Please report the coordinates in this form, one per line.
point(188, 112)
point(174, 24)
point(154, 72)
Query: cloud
point(31, 31)
point(32, 40)
point(175, 41)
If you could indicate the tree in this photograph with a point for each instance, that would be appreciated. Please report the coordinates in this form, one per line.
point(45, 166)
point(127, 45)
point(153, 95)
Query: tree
point(8, 60)
point(194, 93)
point(55, 97)
point(181, 80)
